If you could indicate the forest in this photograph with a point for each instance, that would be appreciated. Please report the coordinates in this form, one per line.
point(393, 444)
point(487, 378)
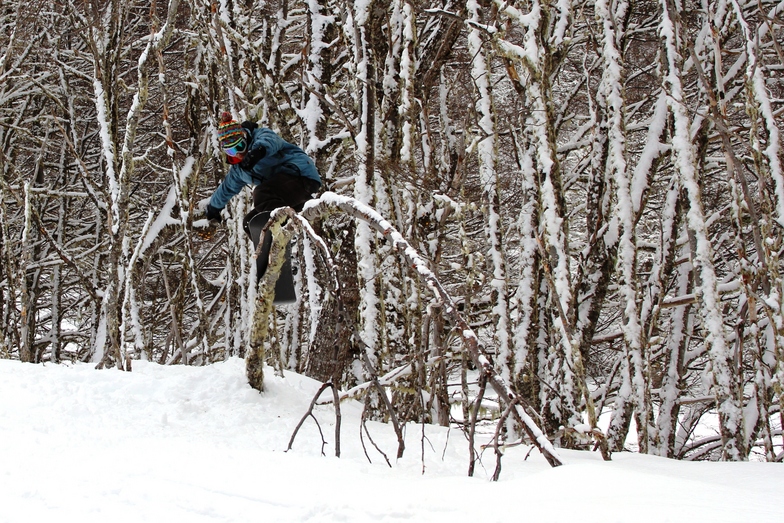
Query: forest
point(576, 203)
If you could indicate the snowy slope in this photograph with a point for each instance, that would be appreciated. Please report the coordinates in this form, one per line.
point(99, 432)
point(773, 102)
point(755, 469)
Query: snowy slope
point(188, 444)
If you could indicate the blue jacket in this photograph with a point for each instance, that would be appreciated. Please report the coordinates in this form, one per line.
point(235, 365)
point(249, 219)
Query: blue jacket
point(281, 157)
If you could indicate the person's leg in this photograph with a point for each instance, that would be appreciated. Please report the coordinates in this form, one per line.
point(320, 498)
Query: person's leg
point(284, 287)
point(265, 200)
point(253, 226)
point(283, 189)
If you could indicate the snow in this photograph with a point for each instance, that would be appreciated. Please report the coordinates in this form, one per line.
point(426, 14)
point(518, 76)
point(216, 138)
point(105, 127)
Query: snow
point(756, 78)
point(652, 149)
point(108, 149)
point(407, 72)
point(720, 352)
point(563, 7)
point(164, 219)
point(197, 444)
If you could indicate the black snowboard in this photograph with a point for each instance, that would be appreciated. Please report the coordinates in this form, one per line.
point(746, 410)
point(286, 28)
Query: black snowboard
point(284, 288)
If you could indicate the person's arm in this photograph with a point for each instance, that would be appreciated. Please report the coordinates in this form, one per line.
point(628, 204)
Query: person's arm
point(265, 143)
point(267, 138)
point(234, 182)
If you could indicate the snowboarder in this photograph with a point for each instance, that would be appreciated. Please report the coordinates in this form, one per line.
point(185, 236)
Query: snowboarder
point(282, 173)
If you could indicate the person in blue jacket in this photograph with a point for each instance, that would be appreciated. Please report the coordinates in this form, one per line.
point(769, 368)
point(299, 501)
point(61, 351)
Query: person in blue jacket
point(282, 173)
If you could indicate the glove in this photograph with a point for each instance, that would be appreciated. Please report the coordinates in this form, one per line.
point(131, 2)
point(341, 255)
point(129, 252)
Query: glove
point(213, 213)
point(253, 156)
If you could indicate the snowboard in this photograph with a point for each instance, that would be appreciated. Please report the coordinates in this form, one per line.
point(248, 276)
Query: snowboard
point(284, 287)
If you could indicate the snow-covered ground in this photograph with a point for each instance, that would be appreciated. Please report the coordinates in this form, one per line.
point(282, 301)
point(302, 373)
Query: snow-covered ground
point(197, 444)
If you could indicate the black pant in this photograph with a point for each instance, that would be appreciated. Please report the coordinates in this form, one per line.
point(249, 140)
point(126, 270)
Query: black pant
point(280, 190)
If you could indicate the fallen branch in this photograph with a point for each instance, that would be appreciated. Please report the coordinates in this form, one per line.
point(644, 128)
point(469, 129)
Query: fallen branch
point(330, 202)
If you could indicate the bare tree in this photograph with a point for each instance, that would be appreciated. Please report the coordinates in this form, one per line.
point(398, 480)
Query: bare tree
point(596, 185)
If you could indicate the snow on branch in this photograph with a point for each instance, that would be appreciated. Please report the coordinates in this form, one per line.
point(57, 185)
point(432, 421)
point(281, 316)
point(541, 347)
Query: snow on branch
point(331, 202)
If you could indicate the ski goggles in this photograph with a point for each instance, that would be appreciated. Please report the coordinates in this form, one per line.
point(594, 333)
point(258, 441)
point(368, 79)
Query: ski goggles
point(236, 148)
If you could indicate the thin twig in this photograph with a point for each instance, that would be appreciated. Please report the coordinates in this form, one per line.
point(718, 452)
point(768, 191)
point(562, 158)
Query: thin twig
point(401, 445)
point(364, 426)
point(497, 436)
point(173, 313)
point(472, 423)
point(313, 403)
